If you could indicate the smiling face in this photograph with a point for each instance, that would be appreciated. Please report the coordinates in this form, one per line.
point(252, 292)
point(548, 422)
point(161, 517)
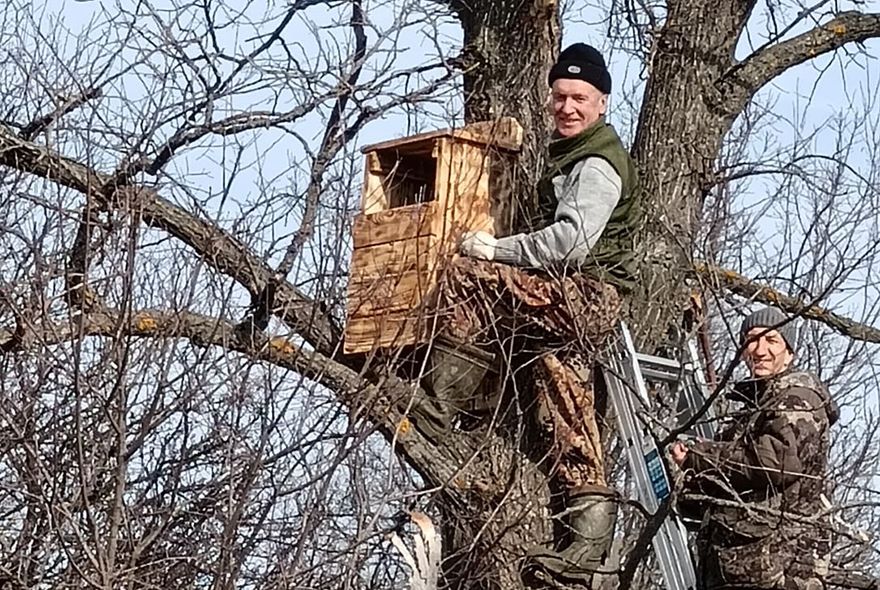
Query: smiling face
point(766, 352)
point(576, 105)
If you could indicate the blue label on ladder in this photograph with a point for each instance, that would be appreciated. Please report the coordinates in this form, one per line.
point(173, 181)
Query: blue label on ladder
point(657, 475)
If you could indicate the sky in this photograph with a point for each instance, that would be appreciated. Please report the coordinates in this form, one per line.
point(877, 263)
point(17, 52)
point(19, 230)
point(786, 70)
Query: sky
point(797, 104)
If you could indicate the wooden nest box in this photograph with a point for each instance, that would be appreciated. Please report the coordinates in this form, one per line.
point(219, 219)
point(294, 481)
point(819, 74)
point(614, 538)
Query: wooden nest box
point(420, 194)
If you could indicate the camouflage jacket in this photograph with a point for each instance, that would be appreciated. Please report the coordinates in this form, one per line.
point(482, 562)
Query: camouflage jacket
point(772, 455)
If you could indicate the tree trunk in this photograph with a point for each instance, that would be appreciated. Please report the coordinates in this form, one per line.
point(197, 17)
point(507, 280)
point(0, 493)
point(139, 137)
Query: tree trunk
point(678, 138)
point(508, 49)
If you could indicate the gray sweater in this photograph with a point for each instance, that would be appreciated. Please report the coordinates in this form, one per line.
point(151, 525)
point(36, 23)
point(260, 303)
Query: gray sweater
point(586, 198)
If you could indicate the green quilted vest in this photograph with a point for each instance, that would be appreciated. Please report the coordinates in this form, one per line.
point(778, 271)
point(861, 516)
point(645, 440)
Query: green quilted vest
point(613, 257)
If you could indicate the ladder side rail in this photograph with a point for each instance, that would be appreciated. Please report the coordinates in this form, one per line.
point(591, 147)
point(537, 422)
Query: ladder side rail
point(673, 556)
point(633, 444)
point(631, 365)
point(629, 431)
point(700, 393)
point(625, 385)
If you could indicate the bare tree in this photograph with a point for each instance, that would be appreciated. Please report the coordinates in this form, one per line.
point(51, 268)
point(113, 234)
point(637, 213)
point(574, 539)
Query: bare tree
point(177, 186)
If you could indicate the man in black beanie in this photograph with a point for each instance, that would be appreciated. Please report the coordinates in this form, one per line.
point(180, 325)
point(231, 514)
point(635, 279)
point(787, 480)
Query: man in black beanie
point(767, 467)
point(590, 190)
point(590, 193)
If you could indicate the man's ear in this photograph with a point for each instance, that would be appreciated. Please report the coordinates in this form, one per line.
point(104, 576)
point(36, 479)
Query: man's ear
point(790, 360)
point(603, 103)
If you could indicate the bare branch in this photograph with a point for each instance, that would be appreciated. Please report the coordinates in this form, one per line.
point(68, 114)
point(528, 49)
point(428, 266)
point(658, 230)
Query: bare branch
point(384, 403)
point(78, 293)
point(740, 285)
point(760, 68)
point(230, 126)
point(213, 244)
point(41, 123)
point(271, 38)
point(330, 144)
point(333, 141)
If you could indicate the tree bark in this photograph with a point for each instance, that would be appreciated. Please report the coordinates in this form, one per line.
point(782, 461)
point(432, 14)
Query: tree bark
point(680, 131)
point(508, 50)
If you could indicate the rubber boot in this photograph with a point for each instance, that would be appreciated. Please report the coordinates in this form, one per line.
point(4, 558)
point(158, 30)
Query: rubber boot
point(592, 517)
point(455, 372)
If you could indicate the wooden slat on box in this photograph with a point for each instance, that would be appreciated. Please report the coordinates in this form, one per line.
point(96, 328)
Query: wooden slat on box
point(382, 331)
point(392, 225)
point(392, 293)
point(382, 260)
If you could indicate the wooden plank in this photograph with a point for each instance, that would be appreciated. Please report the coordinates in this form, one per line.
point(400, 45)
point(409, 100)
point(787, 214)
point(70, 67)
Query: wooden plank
point(462, 192)
point(374, 197)
point(393, 258)
point(392, 225)
point(404, 291)
point(443, 190)
point(385, 331)
point(504, 133)
point(471, 186)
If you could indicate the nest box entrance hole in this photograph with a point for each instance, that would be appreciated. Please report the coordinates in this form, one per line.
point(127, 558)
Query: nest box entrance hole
point(408, 176)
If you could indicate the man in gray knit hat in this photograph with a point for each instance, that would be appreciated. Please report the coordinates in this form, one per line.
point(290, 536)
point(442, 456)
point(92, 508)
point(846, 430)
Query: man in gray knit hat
point(765, 471)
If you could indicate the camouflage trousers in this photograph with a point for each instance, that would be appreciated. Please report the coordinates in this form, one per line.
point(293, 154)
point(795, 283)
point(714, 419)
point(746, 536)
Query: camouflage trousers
point(566, 412)
point(552, 327)
point(790, 558)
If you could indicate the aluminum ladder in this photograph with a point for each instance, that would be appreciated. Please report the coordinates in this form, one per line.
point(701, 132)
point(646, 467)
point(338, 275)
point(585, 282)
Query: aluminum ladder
point(625, 377)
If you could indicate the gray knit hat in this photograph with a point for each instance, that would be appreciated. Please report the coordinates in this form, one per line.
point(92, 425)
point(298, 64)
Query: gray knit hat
point(769, 317)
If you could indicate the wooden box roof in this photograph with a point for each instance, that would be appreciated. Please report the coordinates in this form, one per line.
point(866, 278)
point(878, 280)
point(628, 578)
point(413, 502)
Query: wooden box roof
point(504, 133)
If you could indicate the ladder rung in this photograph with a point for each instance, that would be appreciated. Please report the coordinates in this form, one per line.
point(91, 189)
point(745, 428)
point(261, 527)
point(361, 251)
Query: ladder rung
point(658, 368)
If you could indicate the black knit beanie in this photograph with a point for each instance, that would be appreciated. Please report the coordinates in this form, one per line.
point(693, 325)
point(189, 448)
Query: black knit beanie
point(582, 62)
point(769, 317)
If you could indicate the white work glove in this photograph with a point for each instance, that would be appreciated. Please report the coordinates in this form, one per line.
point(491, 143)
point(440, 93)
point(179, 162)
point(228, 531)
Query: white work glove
point(479, 244)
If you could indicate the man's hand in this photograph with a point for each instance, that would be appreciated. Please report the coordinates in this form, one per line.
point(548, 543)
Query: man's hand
point(479, 244)
point(678, 452)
